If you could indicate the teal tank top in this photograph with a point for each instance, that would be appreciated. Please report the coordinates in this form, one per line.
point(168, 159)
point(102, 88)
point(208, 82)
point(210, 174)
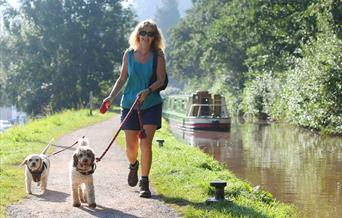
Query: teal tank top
point(138, 78)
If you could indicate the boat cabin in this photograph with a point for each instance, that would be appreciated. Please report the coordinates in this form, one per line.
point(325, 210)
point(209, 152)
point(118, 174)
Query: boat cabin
point(199, 104)
point(205, 104)
point(198, 111)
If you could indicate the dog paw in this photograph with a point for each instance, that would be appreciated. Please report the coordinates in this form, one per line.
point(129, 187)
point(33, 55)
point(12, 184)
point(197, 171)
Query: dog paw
point(76, 204)
point(93, 205)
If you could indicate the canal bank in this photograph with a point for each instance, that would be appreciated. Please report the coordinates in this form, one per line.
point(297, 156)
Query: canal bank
point(296, 165)
point(181, 174)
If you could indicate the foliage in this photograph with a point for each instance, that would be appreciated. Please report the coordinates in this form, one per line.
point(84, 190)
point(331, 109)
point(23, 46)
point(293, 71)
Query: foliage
point(56, 52)
point(167, 15)
point(314, 87)
point(3, 97)
point(261, 96)
point(187, 38)
point(308, 93)
point(236, 37)
point(249, 49)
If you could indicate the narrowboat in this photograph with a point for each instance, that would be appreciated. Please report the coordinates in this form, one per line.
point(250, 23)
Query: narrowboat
point(199, 111)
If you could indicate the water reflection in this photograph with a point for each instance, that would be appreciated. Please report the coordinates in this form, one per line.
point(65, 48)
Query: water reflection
point(295, 165)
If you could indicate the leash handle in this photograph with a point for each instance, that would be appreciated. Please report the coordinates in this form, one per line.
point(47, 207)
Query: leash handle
point(142, 133)
point(104, 106)
point(98, 159)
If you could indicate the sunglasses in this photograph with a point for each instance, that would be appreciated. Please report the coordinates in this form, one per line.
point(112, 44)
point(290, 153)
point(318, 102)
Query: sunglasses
point(144, 33)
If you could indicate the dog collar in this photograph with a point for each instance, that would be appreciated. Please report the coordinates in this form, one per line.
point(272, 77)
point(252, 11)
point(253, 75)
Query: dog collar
point(36, 175)
point(89, 172)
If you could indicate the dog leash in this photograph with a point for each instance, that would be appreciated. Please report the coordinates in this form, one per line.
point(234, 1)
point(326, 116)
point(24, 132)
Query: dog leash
point(57, 152)
point(142, 133)
point(136, 106)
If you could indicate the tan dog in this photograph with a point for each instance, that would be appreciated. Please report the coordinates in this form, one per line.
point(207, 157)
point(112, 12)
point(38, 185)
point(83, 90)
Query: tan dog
point(37, 170)
point(82, 168)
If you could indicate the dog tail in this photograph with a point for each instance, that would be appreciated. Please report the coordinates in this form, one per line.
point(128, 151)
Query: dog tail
point(47, 146)
point(83, 141)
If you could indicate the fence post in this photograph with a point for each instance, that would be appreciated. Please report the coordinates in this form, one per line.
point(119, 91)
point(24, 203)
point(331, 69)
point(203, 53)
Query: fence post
point(91, 102)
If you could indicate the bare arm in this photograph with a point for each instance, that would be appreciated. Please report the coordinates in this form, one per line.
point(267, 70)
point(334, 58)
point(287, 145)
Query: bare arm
point(120, 81)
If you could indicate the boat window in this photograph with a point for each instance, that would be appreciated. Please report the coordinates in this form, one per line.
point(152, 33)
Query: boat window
point(205, 111)
point(195, 111)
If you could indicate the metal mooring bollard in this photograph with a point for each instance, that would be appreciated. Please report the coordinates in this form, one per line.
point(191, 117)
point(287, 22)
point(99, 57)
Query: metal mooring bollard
point(160, 142)
point(219, 192)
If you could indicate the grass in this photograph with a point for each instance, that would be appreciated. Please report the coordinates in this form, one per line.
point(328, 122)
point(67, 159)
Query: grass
point(181, 174)
point(19, 141)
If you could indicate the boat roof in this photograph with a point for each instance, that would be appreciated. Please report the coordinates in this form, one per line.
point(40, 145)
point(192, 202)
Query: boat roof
point(191, 94)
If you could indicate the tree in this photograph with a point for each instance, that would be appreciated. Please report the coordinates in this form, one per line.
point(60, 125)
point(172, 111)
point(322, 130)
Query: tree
point(187, 40)
point(61, 50)
point(167, 15)
point(249, 48)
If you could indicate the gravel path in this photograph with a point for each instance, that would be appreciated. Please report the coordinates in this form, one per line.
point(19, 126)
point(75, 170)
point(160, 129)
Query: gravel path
point(114, 197)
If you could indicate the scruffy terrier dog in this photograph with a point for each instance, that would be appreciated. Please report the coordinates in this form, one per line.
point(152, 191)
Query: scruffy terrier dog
point(82, 168)
point(37, 170)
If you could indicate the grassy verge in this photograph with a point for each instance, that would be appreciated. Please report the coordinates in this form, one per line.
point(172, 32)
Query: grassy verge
point(19, 141)
point(182, 175)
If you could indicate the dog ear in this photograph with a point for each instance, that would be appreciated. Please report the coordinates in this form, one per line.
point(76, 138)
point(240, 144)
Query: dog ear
point(92, 156)
point(24, 162)
point(75, 160)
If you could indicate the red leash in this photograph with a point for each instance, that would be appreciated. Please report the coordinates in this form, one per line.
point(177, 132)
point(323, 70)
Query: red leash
point(136, 105)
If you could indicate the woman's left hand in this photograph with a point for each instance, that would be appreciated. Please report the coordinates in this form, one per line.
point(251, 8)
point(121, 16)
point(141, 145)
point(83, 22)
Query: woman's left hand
point(142, 95)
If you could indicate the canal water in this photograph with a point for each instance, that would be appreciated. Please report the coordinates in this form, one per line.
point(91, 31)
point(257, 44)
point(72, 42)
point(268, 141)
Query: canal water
point(296, 165)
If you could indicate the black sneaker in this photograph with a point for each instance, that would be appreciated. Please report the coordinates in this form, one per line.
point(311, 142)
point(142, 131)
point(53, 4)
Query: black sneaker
point(133, 174)
point(144, 188)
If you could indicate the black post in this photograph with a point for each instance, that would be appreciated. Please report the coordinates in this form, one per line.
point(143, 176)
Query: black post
point(160, 142)
point(219, 192)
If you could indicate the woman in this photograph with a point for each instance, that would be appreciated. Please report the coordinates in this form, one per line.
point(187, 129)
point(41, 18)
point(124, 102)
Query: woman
point(137, 67)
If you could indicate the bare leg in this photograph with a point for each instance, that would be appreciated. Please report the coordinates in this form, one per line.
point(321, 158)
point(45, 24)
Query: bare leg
point(146, 149)
point(132, 145)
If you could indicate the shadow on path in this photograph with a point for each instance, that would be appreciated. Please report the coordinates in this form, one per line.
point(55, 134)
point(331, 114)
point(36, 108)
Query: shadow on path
point(53, 196)
point(101, 211)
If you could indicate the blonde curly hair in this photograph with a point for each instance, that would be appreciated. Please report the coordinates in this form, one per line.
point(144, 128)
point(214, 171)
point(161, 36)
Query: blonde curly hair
point(158, 40)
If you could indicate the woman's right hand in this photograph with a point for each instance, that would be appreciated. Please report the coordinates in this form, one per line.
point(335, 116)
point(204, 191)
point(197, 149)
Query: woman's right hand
point(108, 99)
point(142, 95)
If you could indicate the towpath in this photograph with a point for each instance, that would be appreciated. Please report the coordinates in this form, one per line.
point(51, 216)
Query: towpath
point(114, 197)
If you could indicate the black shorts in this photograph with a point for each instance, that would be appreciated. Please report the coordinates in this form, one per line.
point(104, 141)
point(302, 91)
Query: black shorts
point(149, 116)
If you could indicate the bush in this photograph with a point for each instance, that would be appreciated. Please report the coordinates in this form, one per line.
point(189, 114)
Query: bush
point(314, 87)
point(262, 97)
